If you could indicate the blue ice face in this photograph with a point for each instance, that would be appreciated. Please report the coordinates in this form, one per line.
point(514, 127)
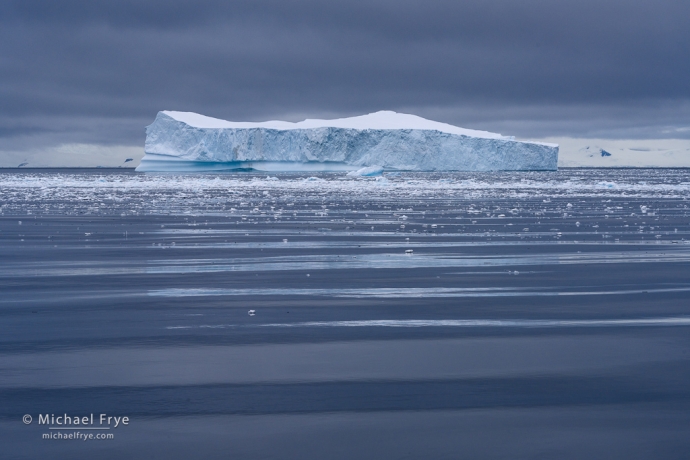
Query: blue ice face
point(172, 145)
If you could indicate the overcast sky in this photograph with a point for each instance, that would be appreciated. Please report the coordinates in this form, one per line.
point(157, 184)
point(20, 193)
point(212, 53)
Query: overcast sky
point(97, 72)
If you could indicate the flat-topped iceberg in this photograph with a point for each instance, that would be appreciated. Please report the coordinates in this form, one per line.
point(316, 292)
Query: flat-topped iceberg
point(185, 141)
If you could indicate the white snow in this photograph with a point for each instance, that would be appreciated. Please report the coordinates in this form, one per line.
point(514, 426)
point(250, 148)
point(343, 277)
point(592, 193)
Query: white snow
point(636, 153)
point(384, 119)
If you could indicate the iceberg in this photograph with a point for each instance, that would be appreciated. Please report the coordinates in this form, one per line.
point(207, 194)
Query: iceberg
point(390, 141)
point(368, 171)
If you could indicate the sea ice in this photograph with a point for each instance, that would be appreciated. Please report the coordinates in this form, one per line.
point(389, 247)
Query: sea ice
point(184, 141)
point(367, 171)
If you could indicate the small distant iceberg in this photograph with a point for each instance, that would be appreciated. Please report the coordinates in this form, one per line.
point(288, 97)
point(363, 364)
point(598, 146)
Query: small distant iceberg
point(366, 145)
point(368, 171)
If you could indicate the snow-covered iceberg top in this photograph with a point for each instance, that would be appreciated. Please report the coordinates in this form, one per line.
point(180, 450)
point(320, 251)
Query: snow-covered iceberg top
point(186, 141)
point(384, 119)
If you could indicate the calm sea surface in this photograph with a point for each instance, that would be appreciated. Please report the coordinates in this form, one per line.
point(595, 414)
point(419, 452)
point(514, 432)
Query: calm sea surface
point(431, 316)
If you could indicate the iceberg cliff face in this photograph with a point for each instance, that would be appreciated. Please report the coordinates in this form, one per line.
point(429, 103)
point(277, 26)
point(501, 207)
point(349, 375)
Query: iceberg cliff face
point(183, 141)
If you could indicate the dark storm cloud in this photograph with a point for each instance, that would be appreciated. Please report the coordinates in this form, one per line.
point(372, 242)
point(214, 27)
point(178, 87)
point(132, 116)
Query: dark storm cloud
point(69, 68)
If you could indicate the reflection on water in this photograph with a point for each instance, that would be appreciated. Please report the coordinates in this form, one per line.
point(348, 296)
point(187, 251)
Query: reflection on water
point(402, 292)
point(419, 316)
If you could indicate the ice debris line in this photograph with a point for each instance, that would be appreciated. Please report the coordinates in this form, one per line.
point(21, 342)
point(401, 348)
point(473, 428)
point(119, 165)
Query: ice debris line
point(390, 141)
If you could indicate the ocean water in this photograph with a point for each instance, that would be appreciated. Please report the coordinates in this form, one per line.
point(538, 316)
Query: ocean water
point(458, 315)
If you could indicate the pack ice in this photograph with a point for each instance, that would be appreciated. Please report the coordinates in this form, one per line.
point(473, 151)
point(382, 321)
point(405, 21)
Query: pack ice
point(186, 141)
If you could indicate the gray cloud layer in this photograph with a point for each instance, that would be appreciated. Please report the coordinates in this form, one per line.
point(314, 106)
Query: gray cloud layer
point(97, 72)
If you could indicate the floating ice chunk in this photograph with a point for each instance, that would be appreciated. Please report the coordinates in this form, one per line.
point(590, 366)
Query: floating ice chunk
point(183, 141)
point(367, 171)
